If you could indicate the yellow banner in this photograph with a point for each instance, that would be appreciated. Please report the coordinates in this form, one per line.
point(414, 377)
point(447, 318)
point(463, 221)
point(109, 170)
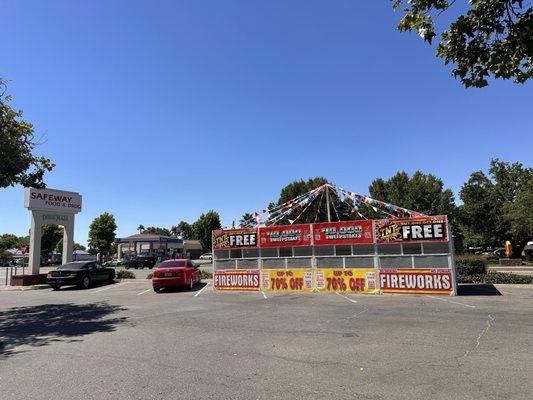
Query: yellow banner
point(287, 280)
point(356, 280)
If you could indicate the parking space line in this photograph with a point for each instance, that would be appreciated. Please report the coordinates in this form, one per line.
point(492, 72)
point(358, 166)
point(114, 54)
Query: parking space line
point(201, 290)
point(109, 287)
point(264, 295)
point(144, 291)
point(451, 301)
point(346, 297)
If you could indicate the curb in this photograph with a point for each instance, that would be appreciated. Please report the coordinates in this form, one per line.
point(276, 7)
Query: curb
point(516, 286)
point(24, 288)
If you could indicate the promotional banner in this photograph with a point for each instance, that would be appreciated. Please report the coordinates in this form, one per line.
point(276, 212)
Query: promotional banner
point(234, 238)
point(421, 229)
point(287, 280)
point(344, 232)
point(421, 281)
point(236, 279)
point(356, 280)
point(288, 235)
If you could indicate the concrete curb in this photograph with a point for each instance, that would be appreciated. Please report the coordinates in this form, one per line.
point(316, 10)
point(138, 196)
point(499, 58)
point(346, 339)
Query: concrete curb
point(23, 288)
point(516, 286)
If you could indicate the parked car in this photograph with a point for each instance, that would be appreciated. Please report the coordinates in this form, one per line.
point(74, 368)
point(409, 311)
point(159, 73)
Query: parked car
point(141, 262)
point(206, 256)
point(175, 273)
point(81, 273)
point(113, 262)
point(527, 252)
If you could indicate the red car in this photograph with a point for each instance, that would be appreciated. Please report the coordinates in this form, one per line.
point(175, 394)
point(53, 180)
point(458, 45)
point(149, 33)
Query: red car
point(175, 273)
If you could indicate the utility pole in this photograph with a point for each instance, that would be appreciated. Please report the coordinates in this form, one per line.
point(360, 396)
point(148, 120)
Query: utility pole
point(327, 202)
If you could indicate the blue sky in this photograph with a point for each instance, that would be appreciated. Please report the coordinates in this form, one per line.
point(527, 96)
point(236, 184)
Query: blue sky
point(158, 111)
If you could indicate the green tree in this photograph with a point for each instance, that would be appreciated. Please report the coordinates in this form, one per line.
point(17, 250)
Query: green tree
point(154, 230)
point(8, 241)
point(140, 228)
point(424, 193)
point(317, 210)
point(76, 246)
point(183, 229)
point(495, 207)
point(102, 233)
point(50, 237)
point(519, 216)
point(493, 38)
point(478, 214)
point(247, 220)
point(204, 227)
point(17, 141)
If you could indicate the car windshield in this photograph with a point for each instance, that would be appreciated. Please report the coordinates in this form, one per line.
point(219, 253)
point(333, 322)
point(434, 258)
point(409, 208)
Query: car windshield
point(172, 264)
point(73, 265)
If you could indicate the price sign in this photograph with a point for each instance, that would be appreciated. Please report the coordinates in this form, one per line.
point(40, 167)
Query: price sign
point(287, 280)
point(356, 280)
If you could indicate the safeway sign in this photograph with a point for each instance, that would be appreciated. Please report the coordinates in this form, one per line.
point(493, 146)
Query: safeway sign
point(52, 200)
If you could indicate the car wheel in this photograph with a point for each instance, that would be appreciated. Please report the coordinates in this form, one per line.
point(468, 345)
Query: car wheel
point(111, 277)
point(56, 287)
point(85, 282)
point(157, 289)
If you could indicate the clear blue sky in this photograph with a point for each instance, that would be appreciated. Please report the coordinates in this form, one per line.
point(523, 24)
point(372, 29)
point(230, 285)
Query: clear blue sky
point(157, 111)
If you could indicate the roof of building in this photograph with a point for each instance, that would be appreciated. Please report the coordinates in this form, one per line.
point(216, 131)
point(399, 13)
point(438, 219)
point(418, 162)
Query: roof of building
point(192, 244)
point(147, 238)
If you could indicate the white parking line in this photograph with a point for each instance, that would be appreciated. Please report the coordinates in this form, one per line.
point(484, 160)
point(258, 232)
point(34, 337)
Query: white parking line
point(264, 295)
point(144, 291)
point(201, 290)
point(109, 287)
point(346, 297)
point(451, 301)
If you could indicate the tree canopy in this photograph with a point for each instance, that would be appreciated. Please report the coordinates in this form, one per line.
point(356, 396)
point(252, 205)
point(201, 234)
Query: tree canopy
point(183, 229)
point(102, 233)
point(317, 211)
point(497, 207)
point(51, 235)
point(204, 227)
point(17, 142)
point(493, 38)
point(155, 230)
point(424, 193)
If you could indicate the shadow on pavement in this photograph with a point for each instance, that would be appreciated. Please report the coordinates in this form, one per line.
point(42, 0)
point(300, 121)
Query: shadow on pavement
point(196, 288)
point(94, 285)
point(477, 289)
point(47, 323)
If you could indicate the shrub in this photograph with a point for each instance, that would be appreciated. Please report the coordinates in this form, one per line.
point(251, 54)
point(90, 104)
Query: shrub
point(206, 275)
point(505, 277)
point(149, 276)
point(495, 277)
point(469, 264)
point(125, 275)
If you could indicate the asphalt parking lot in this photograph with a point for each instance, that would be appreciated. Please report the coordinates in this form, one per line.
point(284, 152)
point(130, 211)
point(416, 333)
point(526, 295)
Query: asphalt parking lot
point(123, 341)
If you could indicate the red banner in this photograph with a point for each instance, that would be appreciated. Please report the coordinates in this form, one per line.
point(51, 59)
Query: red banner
point(236, 279)
point(344, 232)
point(422, 229)
point(287, 235)
point(421, 281)
point(234, 238)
